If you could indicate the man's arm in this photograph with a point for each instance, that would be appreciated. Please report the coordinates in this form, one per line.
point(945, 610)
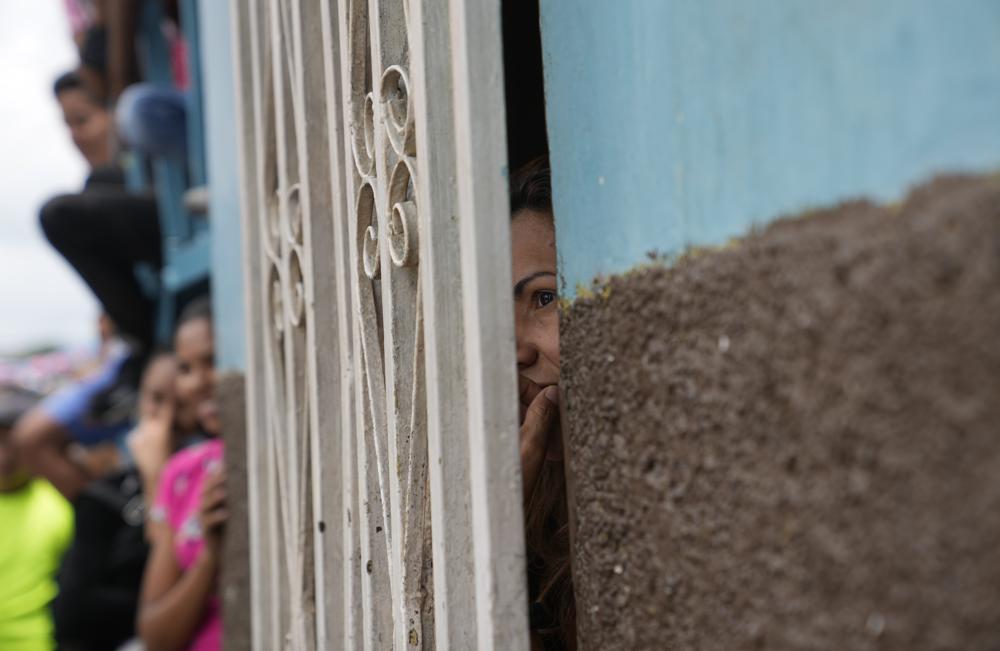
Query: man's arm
point(42, 444)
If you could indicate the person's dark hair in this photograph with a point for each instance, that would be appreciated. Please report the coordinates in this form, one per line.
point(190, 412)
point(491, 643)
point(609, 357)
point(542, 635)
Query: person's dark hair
point(546, 513)
point(546, 533)
point(158, 352)
point(75, 80)
point(14, 403)
point(94, 51)
point(68, 81)
point(531, 187)
point(197, 308)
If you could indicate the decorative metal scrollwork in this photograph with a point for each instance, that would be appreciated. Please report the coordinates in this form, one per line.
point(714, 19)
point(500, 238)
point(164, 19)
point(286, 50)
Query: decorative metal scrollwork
point(397, 106)
point(387, 240)
point(403, 227)
point(346, 209)
point(276, 304)
point(368, 231)
point(297, 290)
point(295, 214)
point(364, 137)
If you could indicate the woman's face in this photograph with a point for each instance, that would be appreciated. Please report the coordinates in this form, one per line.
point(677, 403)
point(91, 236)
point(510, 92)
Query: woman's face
point(536, 311)
point(195, 350)
point(89, 126)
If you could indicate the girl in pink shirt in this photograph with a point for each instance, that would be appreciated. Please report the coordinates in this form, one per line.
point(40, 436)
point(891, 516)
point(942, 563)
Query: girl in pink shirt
point(179, 607)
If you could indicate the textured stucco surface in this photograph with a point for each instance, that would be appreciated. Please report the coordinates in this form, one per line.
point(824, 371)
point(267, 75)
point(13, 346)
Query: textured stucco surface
point(794, 443)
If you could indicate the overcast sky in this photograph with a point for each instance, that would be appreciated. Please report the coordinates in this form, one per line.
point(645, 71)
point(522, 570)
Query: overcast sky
point(41, 298)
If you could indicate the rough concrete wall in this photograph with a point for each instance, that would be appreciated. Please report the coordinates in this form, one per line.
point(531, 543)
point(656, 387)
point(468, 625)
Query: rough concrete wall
point(794, 443)
point(235, 581)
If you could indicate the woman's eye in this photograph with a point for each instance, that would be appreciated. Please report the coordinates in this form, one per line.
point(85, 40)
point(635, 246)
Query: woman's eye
point(543, 298)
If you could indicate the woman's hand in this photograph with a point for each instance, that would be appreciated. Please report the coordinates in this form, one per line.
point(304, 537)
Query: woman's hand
point(539, 420)
point(152, 443)
point(212, 514)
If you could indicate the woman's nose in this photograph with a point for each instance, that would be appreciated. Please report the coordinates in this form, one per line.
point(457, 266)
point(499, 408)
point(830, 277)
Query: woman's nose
point(527, 353)
point(200, 384)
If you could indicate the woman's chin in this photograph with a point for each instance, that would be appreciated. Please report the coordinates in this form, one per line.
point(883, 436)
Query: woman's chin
point(208, 417)
point(212, 426)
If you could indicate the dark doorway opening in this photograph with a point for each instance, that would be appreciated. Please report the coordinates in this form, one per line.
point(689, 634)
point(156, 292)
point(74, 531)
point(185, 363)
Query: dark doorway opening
point(524, 82)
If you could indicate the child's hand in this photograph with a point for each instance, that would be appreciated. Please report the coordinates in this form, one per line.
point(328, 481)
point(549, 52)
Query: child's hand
point(539, 420)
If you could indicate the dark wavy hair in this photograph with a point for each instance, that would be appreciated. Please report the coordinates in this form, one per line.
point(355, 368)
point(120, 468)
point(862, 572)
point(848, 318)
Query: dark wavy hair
point(546, 513)
point(531, 187)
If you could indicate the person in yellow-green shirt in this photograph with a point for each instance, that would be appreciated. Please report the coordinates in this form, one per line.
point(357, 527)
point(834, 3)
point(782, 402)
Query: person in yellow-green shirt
point(36, 526)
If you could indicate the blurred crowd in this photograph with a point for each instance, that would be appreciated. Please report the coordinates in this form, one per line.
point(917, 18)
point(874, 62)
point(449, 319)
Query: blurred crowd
point(112, 485)
point(112, 493)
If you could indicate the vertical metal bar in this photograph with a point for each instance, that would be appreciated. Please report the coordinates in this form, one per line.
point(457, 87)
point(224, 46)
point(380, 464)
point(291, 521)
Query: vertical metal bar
point(389, 47)
point(447, 410)
point(334, 53)
point(244, 56)
point(265, 592)
point(327, 308)
point(291, 427)
point(372, 500)
point(489, 330)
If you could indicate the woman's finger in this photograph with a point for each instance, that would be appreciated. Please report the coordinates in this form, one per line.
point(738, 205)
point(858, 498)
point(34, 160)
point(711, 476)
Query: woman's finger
point(163, 414)
point(542, 411)
point(527, 390)
point(212, 499)
point(214, 519)
point(213, 480)
point(539, 421)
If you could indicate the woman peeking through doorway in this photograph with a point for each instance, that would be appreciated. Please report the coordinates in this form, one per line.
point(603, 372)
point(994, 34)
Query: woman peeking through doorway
point(536, 327)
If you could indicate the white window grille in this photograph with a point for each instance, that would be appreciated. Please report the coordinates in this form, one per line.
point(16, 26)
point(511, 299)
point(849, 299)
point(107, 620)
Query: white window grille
point(384, 475)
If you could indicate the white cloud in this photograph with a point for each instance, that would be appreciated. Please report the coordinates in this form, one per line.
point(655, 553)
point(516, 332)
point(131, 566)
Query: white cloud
point(41, 298)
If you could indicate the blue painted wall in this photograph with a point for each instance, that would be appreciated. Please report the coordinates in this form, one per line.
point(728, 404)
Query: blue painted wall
point(218, 74)
point(682, 122)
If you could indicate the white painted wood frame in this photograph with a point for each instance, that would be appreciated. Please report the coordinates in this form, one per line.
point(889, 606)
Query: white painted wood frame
point(385, 479)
